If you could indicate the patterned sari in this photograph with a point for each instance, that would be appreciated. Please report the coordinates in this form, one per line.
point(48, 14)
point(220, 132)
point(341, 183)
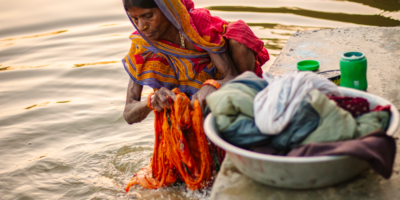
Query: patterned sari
point(164, 64)
point(181, 150)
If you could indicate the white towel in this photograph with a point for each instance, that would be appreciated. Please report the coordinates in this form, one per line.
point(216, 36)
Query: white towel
point(276, 104)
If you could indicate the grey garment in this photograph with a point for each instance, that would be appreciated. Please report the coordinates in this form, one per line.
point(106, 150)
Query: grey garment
point(244, 133)
point(370, 122)
point(232, 106)
point(304, 122)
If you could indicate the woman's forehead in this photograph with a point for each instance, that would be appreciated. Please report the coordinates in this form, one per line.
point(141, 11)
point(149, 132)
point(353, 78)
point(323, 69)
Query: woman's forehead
point(137, 12)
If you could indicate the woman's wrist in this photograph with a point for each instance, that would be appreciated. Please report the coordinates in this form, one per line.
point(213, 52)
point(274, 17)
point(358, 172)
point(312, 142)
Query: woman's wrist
point(225, 80)
point(213, 83)
point(148, 101)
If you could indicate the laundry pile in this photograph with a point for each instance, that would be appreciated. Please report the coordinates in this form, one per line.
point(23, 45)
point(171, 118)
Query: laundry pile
point(302, 114)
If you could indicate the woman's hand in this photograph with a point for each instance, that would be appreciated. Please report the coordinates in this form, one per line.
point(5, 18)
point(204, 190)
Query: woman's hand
point(202, 94)
point(160, 99)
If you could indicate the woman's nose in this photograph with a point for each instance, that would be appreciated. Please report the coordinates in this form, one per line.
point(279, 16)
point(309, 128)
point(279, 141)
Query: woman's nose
point(141, 25)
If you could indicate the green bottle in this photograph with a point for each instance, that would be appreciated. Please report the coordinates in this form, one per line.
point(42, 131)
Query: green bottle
point(353, 69)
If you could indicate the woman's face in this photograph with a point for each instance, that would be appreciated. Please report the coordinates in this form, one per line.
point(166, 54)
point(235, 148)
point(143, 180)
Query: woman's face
point(150, 21)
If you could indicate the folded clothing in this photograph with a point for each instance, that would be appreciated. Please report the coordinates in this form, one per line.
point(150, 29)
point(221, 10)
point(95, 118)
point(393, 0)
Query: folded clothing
point(377, 149)
point(275, 105)
point(232, 106)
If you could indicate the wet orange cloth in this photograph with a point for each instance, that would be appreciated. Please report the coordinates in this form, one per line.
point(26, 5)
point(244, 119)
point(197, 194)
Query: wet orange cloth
point(180, 149)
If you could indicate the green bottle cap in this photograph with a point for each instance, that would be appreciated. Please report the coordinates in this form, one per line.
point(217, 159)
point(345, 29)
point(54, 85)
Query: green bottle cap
point(308, 65)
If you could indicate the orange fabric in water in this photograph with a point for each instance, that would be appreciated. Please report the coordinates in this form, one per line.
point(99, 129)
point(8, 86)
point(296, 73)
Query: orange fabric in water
point(180, 148)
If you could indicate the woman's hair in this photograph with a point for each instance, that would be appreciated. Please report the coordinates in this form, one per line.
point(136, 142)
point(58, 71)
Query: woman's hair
point(139, 3)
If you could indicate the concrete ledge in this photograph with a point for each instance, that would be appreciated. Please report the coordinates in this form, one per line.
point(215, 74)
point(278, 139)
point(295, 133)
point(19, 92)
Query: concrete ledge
point(381, 46)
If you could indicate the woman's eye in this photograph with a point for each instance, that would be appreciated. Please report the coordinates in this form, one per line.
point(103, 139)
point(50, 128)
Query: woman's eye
point(149, 16)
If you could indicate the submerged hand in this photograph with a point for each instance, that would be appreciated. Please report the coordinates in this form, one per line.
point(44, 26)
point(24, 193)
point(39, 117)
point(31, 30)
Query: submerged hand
point(202, 94)
point(160, 99)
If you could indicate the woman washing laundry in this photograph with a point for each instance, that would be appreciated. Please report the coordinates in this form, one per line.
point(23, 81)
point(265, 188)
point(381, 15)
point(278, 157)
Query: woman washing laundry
point(179, 46)
point(184, 54)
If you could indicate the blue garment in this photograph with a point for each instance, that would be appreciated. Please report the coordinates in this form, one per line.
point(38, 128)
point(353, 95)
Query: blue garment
point(305, 121)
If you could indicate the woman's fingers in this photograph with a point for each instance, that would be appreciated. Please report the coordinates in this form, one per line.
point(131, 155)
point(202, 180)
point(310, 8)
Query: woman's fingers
point(163, 100)
point(156, 105)
point(194, 97)
point(168, 93)
point(160, 99)
point(202, 102)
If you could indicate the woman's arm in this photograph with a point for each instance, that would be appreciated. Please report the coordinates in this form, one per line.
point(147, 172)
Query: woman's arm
point(135, 110)
point(237, 59)
point(225, 66)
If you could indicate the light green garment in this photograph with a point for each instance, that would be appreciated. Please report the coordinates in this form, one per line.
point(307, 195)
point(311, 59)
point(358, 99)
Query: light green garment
point(335, 124)
point(230, 101)
point(370, 122)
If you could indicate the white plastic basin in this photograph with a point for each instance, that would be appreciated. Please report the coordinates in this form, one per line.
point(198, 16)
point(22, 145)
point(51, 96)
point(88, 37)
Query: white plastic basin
point(299, 172)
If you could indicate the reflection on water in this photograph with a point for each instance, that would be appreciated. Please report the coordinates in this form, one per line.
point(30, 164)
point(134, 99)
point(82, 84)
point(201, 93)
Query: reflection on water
point(108, 25)
point(34, 36)
point(95, 63)
point(386, 5)
point(63, 89)
point(371, 20)
point(22, 67)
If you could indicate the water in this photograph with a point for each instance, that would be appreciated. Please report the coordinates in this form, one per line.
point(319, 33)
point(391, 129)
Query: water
point(62, 89)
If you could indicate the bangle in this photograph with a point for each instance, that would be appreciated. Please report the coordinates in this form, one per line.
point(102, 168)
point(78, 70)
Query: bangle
point(148, 101)
point(213, 83)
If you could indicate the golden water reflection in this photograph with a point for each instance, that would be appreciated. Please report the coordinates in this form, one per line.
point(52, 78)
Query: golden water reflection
point(6, 45)
point(95, 63)
point(35, 36)
point(106, 25)
point(44, 104)
point(64, 101)
point(7, 68)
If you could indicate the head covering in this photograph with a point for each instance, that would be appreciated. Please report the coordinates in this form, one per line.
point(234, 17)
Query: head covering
point(183, 15)
point(164, 64)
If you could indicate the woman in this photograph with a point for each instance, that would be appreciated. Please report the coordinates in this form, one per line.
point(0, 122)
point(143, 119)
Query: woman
point(178, 46)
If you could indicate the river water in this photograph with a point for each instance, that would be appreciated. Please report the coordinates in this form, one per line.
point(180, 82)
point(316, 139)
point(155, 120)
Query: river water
point(62, 89)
